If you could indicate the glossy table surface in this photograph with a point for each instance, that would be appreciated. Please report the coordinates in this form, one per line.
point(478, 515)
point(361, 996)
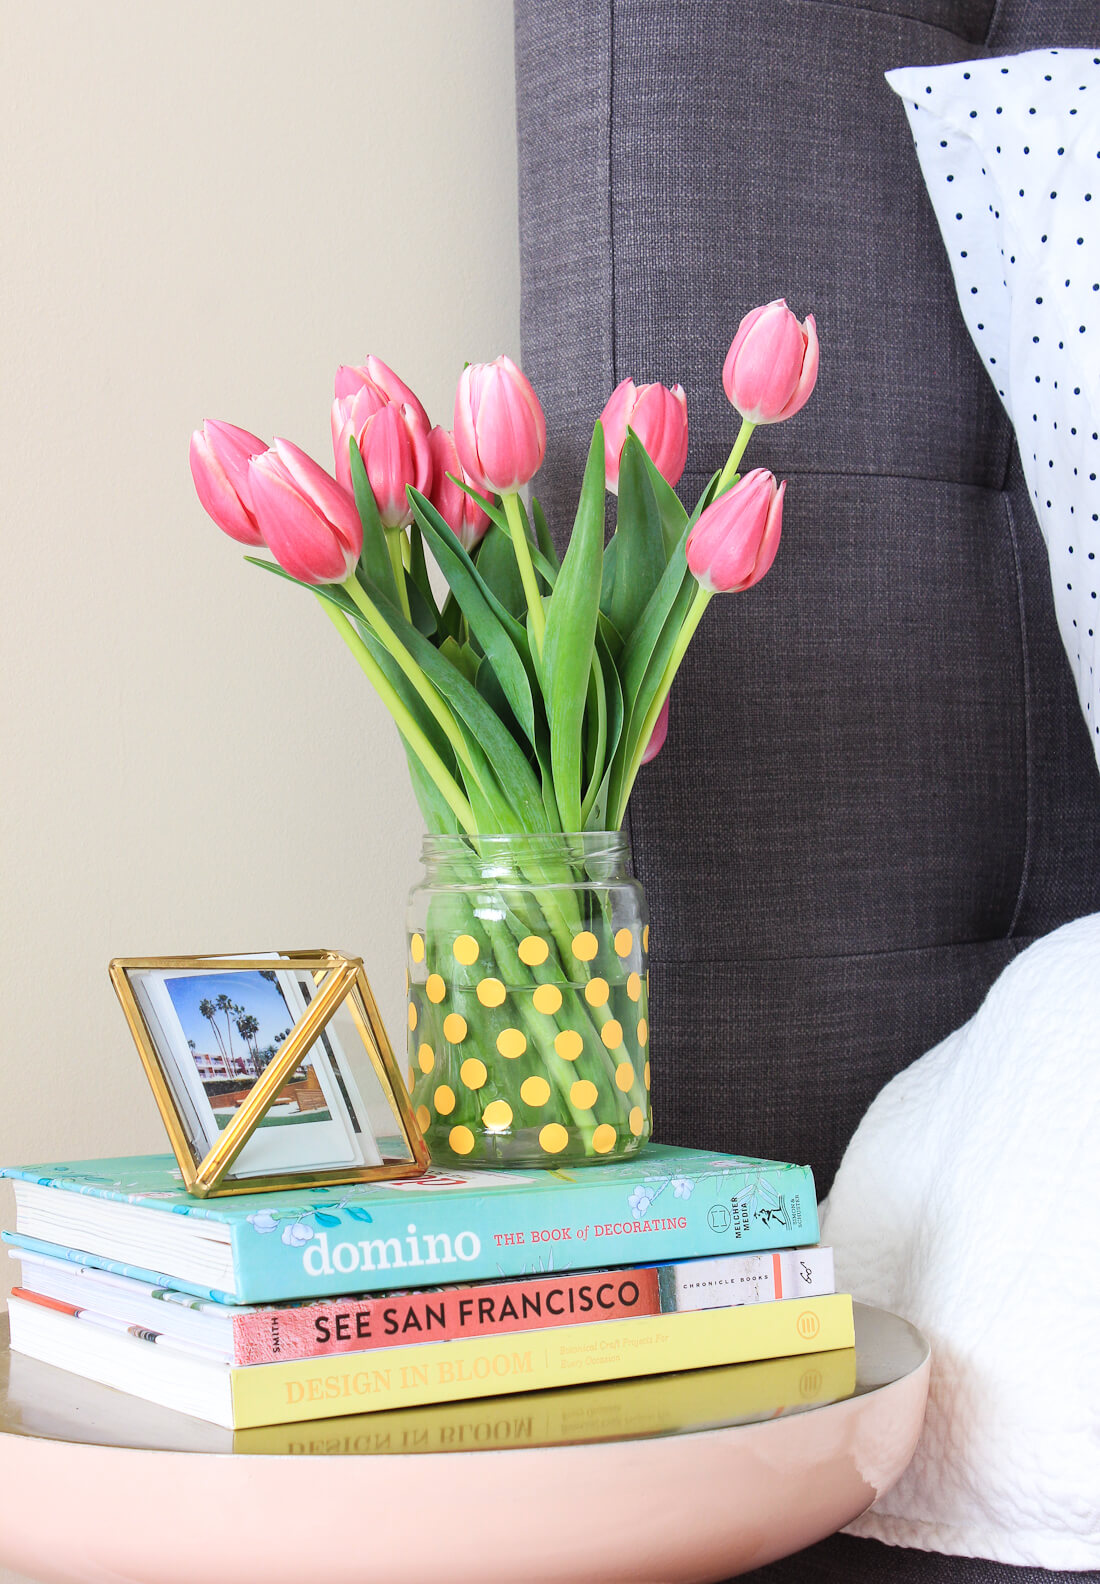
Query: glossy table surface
point(98, 1485)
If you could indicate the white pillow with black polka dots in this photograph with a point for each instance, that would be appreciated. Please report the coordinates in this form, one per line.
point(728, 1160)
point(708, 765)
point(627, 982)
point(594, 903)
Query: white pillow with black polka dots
point(1010, 150)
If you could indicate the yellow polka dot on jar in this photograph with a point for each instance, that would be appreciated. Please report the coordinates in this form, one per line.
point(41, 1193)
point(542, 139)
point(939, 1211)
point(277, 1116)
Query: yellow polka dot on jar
point(634, 986)
point(416, 948)
point(596, 992)
point(645, 938)
point(473, 1072)
point(568, 1044)
point(412, 1079)
point(444, 1099)
point(585, 946)
point(424, 1117)
point(412, 1016)
point(612, 1034)
point(547, 998)
point(553, 1138)
point(645, 1074)
point(584, 1094)
point(454, 1028)
point(533, 951)
point(624, 942)
point(511, 1042)
point(465, 950)
point(624, 1076)
point(497, 1115)
point(603, 1139)
point(637, 1121)
point(461, 1140)
point(534, 1091)
point(490, 992)
point(435, 989)
point(425, 1057)
point(643, 1031)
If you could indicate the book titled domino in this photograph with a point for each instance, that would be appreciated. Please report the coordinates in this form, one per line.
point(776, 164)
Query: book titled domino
point(665, 1204)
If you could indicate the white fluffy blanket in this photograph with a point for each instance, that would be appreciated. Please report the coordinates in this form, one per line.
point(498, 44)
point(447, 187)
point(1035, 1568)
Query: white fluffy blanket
point(969, 1202)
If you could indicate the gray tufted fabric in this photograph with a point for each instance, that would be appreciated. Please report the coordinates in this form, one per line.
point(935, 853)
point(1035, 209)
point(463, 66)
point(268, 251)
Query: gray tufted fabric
point(877, 786)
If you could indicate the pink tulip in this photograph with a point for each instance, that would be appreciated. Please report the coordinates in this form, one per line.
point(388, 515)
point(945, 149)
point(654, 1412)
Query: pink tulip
point(309, 523)
point(462, 515)
point(384, 385)
point(219, 466)
point(659, 733)
point(500, 431)
point(771, 366)
point(734, 542)
point(393, 442)
point(658, 416)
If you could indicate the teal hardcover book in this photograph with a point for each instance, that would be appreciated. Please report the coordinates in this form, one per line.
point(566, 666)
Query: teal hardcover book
point(448, 1226)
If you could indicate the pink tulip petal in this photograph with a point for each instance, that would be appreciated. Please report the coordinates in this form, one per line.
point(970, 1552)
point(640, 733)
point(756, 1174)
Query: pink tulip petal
point(219, 470)
point(298, 536)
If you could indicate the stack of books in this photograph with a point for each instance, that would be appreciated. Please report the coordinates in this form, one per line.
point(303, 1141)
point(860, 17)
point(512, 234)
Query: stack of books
point(300, 1306)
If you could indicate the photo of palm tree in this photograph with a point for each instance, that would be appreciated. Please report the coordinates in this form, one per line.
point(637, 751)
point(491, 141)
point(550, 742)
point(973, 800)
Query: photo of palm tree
point(234, 1023)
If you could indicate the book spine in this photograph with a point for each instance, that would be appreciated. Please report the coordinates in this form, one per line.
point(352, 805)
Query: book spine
point(433, 1372)
point(580, 1223)
point(352, 1325)
point(401, 1319)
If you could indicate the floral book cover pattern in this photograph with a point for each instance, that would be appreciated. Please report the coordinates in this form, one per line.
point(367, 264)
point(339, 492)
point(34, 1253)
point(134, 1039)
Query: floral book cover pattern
point(665, 1204)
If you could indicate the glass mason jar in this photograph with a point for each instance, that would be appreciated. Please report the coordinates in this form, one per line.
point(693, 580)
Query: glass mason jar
point(528, 1000)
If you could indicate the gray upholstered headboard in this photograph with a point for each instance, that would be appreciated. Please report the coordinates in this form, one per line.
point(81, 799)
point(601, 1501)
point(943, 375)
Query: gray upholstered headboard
point(877, 785)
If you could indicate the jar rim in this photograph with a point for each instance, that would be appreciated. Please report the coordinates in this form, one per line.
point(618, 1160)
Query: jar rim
point(444, 844)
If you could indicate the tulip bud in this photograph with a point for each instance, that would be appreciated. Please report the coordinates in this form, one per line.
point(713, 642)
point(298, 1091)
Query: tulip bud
point(734, 542)
point(658, 416)
point(500, 431)
point(462, 515)
point(658, 734)
point(219, 466)
point(382, 383)
point(771, 366)
point(393, 442)
point(308, 522)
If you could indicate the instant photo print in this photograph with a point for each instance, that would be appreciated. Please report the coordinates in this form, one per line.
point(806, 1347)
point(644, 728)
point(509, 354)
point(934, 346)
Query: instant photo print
point(270, 1070)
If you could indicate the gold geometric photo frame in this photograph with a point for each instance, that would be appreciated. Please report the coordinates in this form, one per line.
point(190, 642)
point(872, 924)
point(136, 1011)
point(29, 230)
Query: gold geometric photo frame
point(322, 1103)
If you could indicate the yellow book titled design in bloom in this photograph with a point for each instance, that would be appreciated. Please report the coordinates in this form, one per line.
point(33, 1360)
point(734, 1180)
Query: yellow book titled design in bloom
point(532, 1361)
point(430, 1372)
point(620, 1410)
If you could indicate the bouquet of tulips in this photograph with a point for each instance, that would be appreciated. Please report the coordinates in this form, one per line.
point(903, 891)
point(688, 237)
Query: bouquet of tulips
point(528, 697)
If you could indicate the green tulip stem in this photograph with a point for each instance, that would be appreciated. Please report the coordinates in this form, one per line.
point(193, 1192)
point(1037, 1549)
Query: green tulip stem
point(406, 724)
point(694, 616)
point(395, 542)
point(386, 635)
point(526, 568)
point(729, 472)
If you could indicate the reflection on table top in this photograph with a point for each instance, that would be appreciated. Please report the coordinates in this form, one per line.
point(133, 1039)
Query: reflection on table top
point(40, 1401)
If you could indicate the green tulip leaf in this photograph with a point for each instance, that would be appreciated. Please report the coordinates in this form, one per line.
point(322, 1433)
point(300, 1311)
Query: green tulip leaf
point(422, 605)
point(488, 740)
point(496, 563)
point(375, 559)
point(572, 611)
point(497, 631)
point(669, 505)
point(639, 536)
point(594, 808)
point(542, 535)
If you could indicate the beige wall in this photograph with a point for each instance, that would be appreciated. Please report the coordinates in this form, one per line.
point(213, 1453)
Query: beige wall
point(206, 207)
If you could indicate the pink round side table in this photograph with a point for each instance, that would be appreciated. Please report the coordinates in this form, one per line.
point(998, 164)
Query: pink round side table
point(96, 1485)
